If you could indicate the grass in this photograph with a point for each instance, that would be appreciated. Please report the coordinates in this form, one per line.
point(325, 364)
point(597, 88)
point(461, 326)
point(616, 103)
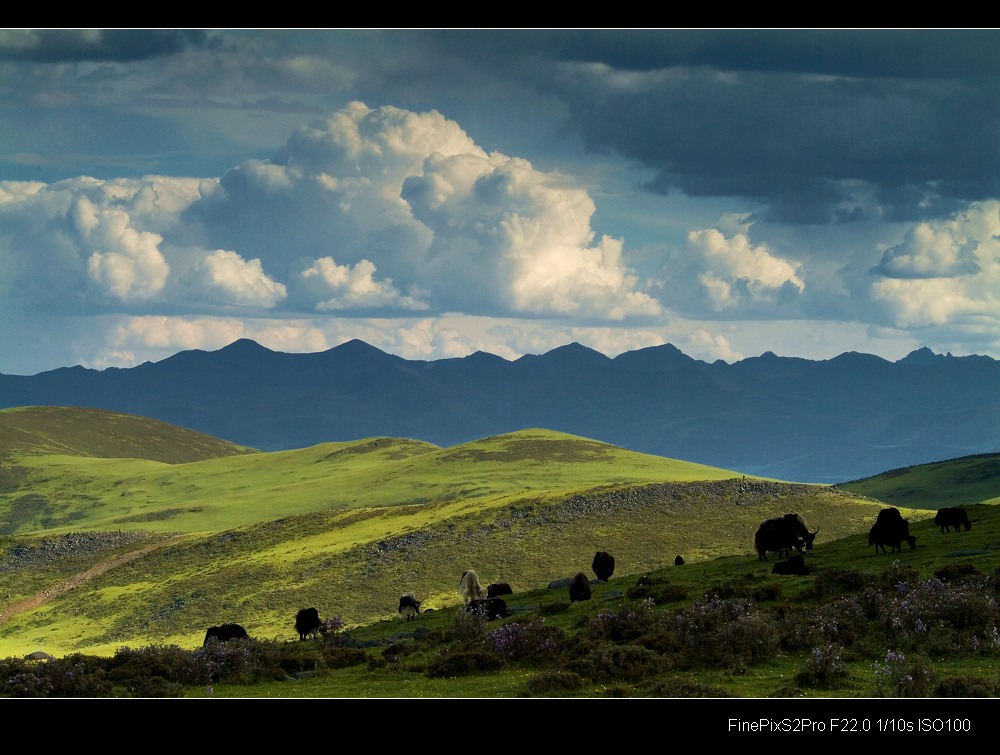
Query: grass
point(955, 482)
point(347, 527)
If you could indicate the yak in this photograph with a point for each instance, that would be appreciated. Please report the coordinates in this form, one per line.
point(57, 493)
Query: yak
point(603, 565)
point(469, 588)
point(579, 588)
point(952, 517)
point(497, 589)
point(794, 565)
point(225, 633)
point(783, 534)
point(489, 608)
point(409, 606)
point(307, 623)
point(891, 529)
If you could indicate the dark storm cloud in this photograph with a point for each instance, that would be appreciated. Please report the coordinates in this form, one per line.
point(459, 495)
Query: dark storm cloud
point(794, 120)
point(117, 45)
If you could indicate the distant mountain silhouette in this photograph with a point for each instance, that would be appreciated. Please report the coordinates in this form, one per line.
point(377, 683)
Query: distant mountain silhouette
point(784, 417)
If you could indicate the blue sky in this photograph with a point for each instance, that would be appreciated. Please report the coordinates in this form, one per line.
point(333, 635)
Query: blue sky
point(439, 192)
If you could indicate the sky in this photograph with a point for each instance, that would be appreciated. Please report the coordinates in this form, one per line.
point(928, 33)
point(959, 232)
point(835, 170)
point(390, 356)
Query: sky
point(436, 192)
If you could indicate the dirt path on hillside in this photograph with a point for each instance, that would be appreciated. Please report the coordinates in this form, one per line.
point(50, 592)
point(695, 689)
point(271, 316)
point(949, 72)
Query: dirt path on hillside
point(61, 588)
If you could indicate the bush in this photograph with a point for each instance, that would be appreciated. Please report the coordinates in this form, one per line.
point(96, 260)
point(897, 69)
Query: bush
point(722, 633)
point(608, 663)
point(831, 582)
point(624, 623)
point(840, 622)
point(74, 676)
point(964, 686)
point(934, 617)
point(469, 626)
point(533, 640)
point(685, 689)
point(899, 677)
point(658, 590)
point(824, 668)
point(462, 660)
point(554, 682)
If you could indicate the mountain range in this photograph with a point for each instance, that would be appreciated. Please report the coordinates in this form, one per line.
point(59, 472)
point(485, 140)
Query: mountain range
point(787, 418)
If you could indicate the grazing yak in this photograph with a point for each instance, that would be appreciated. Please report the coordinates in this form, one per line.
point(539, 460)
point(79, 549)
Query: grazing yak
point(490, 608)
point(781, 535)
point(307, 623)
point(579, 588)
point(679, 561)
point(225, 633)
point(891, 529)
point(604, 565)
point(409, 607)
point(469, 588)
point(497, 589)
point(794, 565)
point(952, 517)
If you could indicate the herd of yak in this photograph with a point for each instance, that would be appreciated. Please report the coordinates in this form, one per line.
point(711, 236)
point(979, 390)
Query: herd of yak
point(788, 536)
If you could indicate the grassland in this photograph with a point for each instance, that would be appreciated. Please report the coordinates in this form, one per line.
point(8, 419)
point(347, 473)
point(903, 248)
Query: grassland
point(953, 482)
point(237, 535)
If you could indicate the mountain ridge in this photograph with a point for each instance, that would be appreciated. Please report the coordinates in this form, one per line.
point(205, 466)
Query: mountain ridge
point(780, 417)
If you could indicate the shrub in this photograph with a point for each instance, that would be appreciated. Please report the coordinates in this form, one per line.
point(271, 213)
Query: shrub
point(658, 590)
point(469, 625)
point(722, 633)
point(824, 668)
point(462, 660)
point(345, 657)
point(955, 618)
point(623, 623)
point(685, 689)
point(964, 686)
point(551, 609)
point(554, 682)
point(831, 582)
point(897, 677)
point(74, 676)
point(954, 572)
point(841, 622)
point(534, 640)
point(617, 663)
point(155, 686)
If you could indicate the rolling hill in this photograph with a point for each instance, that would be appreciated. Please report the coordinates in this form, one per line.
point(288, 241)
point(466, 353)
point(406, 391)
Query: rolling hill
point(955, 482)
point(252, 537)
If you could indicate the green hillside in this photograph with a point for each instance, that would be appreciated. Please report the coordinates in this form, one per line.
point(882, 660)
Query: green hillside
point(347, 527)
point(61, 493)
point(96, 433)
point(955, 482)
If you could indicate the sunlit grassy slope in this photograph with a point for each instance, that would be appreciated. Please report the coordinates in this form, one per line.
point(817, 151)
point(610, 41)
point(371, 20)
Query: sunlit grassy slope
point(347, 527)
point(956, 482)
point(59, 492)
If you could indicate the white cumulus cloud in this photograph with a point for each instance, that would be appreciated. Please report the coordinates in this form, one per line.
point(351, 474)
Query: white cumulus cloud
point(946, 272)
point(339, 287)
point(225, 277)
point(735, 271)
point(446, 224)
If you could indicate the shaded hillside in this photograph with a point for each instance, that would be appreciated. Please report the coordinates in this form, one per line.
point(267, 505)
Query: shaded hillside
point(785, 418)
point(954, 482)
point(77, 431)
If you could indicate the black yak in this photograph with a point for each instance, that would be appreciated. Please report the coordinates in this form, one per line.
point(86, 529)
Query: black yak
point(307, 622)
point(603, 565)
point(225, 633)
point(579, 588)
